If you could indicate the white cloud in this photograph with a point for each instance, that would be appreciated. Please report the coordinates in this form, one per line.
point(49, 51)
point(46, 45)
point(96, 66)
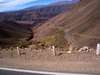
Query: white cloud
point(9, 4)
point(14, 2)
point(13, 5)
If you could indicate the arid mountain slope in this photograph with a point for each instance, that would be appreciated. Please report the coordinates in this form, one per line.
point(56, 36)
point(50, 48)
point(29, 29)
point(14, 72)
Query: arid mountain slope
point(18, 25)
point(80, 24)
point(11, 32)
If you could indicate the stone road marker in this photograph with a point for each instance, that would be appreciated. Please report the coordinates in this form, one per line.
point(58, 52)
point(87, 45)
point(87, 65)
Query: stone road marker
point(98, 49)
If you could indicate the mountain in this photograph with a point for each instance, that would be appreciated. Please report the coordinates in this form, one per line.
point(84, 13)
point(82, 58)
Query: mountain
point(80, 24)
point(34, 15)
point(16, 26)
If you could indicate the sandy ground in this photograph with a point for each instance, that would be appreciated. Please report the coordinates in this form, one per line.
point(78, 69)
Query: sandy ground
point(81, 62)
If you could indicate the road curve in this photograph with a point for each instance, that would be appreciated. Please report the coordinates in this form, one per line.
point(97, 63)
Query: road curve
point(11, 71)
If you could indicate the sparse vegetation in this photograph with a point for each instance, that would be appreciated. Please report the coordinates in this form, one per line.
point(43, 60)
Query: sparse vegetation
point(56, 39)
point(22, 43)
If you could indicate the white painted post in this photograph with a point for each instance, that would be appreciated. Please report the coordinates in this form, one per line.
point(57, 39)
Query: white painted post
point(70, 49)
point(53, 50)
point(98, 49)
point(18, 52)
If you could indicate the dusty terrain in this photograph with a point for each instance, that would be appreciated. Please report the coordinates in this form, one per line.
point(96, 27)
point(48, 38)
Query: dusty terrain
point(81, 27)
point(81, 62)
point(80, 24)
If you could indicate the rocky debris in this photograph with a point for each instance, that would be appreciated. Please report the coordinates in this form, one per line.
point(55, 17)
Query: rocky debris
point(32, 50)
point(85, 49)
point(69, 52)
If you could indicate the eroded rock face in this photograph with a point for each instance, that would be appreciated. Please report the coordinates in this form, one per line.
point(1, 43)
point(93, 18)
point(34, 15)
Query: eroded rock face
point(81, 24)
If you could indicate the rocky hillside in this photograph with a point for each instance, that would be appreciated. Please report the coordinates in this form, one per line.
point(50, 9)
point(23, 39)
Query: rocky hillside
point(11, 32)
point(18, 25)
point(80, 24)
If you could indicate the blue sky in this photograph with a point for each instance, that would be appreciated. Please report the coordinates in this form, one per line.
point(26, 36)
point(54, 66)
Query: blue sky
point(13, 5)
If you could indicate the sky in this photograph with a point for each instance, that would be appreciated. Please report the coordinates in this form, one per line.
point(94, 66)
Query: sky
point(14, 5)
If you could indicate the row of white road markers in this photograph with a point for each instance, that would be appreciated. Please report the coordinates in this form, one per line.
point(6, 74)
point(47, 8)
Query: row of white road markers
point(54, 53)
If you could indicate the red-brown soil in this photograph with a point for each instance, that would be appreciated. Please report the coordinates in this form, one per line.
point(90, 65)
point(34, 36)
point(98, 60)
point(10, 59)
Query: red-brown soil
point(80, 24)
